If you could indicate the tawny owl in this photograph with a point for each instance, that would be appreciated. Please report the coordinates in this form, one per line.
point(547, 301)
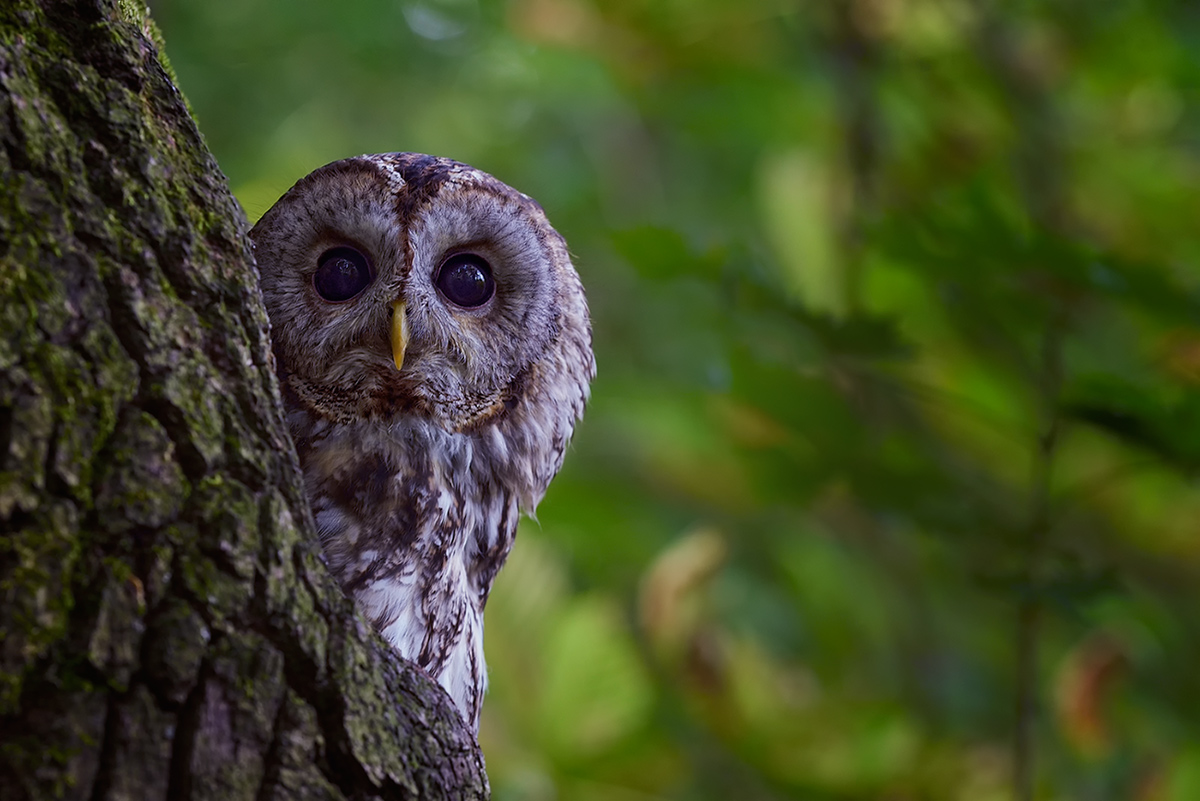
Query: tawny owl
point(434, 351)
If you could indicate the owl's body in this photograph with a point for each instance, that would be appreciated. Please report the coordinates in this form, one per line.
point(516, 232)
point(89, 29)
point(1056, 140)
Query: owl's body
point(434, 352)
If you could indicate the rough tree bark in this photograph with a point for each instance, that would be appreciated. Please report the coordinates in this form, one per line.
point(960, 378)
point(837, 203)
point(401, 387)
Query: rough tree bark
point(167, 630)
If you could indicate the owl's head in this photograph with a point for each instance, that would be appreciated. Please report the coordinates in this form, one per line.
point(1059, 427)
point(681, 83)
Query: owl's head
point(401, 285)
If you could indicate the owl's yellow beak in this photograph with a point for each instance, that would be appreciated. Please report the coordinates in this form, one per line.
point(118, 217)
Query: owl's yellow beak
point(399, 333)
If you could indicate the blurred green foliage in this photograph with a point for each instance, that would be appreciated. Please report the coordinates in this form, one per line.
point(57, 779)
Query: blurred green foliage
point(897, 418)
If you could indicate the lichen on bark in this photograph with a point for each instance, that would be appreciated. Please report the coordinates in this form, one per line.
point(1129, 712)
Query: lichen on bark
point(167, 629)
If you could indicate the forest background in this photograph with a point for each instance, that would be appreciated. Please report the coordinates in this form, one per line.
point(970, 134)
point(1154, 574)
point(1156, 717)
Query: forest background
point(887, 487)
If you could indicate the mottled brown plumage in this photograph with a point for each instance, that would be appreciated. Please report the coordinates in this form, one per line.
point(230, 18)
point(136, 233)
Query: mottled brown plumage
point(425, 421)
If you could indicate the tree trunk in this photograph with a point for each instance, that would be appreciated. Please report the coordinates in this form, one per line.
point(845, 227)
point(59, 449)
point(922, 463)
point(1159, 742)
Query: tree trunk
point(167, 629)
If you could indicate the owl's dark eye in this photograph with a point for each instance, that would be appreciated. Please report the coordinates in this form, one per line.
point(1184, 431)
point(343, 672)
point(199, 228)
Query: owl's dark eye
point(341, 274)
point(466, 280)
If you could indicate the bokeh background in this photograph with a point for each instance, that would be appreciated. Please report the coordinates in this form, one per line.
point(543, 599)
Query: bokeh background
point(887, 489)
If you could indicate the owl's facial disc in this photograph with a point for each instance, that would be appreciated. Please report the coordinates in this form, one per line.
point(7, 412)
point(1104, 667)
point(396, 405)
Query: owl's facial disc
point(400, 286)
point(399, 333)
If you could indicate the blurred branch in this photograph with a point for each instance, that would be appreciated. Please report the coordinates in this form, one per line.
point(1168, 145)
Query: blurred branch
point(856, 56)
point(1037, 161)
point(1029, 606)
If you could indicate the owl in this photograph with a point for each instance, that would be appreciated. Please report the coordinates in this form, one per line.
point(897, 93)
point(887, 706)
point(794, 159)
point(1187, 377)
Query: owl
point(433, 348)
